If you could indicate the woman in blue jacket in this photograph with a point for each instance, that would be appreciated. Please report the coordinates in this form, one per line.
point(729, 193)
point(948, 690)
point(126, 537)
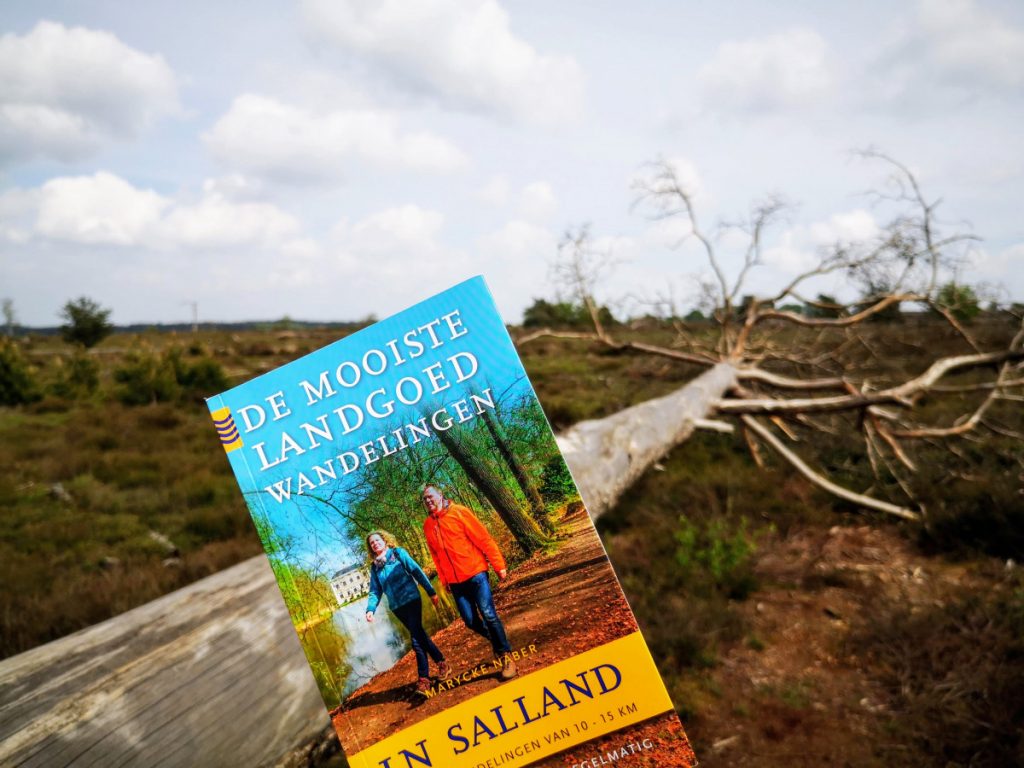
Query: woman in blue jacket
point(394, 573)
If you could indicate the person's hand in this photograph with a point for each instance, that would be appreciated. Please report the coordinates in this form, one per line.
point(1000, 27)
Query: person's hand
point(503, 574)
point(435, 599)
point(369, 617)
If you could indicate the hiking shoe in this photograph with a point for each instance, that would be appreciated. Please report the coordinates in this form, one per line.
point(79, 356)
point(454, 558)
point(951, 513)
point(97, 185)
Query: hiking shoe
point(444, 670)
point(509, 670)
point(423, 687)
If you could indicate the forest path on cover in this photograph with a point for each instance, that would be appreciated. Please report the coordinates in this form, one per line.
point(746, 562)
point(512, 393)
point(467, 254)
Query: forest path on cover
point(563, 603)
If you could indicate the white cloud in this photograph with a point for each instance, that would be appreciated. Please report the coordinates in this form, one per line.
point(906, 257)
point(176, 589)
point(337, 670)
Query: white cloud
point(400, 251)
point(534, 201)
point(518, 258)
point(495, 191)
point(216, 222)
point(1001, 268)
point(235, 186)
point(520, 242)
point(283, 142)
point(406, 226)
point(463, 51)
point(950, 51)
point(968, 42)
point(64, 92)
point(799, 247)
point(104, 209)
point(788, 69)
point(537, 201)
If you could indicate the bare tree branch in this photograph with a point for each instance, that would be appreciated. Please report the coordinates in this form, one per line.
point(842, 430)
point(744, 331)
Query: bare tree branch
point(823, 482)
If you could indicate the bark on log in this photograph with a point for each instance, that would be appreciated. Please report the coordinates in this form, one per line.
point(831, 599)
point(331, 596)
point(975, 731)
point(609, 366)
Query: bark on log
point(210, 675)
point(213, 674)
point(606, 456)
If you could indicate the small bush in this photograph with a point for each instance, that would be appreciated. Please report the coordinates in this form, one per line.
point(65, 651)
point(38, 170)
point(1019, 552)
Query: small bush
point(717, 557)
point(201, 379)
point(17, 379)
point(77, 378)
point(959, 300)
point(147, 377)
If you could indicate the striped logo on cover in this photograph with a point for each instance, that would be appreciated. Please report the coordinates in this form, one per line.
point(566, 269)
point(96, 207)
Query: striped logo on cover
point(226, 429)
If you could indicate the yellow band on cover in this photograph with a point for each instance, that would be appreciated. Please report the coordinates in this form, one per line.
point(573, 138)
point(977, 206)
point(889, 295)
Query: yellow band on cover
point(529, 718)
point(230, 437)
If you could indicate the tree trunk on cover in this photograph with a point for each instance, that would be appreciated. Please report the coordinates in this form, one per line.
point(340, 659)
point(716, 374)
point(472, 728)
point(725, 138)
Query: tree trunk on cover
point(529, 489)
point(527, 534)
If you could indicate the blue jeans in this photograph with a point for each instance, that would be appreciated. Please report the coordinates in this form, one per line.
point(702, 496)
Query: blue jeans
point(411, 616)
point(476, 607)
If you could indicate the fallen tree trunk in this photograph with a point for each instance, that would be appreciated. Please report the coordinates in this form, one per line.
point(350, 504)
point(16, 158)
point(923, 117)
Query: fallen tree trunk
point(608, 455)
point(214, 675)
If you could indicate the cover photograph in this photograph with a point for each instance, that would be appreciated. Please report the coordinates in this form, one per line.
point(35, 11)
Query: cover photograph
point(451, 595)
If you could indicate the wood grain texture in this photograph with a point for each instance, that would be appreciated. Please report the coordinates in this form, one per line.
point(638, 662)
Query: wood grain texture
point(210, 675)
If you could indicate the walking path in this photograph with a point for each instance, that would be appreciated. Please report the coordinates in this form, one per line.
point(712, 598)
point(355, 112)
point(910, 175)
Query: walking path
point(561, 604)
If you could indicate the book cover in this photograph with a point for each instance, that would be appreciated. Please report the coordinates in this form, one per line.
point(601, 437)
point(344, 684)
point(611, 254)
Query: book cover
point(450, 592)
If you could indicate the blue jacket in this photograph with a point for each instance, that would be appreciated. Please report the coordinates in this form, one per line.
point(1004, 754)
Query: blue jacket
point(397, 579)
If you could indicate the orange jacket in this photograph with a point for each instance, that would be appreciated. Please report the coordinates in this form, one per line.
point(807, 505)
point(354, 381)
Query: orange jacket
point(460, 545)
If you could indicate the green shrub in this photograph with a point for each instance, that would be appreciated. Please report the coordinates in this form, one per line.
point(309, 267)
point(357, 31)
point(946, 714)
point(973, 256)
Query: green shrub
point(959, 300)
point(146, 377)
point(561, 314)
point(149, 377)
point(201, 379)
point(17, 379)
point(79, 377)
point(717, 555)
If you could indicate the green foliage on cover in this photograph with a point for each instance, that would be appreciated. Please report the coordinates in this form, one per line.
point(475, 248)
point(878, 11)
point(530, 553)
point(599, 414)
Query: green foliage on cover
point(556, 484)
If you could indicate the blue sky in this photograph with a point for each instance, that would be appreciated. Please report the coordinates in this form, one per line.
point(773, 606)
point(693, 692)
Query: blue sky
point(332, 160)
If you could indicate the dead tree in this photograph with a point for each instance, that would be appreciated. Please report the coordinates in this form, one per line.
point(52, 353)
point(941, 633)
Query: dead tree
point(764, 388)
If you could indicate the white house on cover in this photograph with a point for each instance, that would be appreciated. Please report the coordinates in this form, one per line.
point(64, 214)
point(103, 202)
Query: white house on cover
point(350, 583)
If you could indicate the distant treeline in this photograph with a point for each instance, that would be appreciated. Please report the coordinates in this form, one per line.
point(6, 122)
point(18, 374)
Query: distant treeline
point(249, 325)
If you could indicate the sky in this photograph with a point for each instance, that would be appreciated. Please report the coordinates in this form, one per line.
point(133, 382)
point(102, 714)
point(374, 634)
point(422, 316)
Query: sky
point(330, 160)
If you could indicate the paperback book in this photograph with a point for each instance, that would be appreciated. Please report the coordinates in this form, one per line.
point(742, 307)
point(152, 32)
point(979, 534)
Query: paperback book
point(450, 592)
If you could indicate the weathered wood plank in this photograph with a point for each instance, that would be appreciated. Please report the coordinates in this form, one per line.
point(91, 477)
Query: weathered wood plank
point(213, 674)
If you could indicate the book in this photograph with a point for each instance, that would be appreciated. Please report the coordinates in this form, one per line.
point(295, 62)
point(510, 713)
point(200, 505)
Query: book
point(450, 592)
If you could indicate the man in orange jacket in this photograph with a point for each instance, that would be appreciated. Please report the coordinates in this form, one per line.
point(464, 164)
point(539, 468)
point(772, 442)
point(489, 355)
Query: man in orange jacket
point(462, 549)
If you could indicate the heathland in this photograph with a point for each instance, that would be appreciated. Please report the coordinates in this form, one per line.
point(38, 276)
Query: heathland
point(791, 628)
